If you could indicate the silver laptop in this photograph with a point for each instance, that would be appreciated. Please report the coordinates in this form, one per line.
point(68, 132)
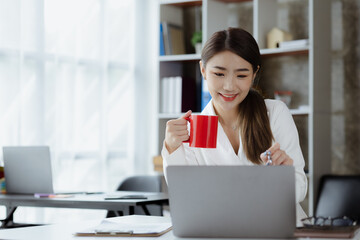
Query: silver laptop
point(232, 201)
point(28, 170)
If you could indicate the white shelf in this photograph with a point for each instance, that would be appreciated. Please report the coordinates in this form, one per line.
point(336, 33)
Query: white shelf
point(266, 51)
point(178, 1)
point(270, 51)
point(182, 57)
point(300, 111)
point(169, 115)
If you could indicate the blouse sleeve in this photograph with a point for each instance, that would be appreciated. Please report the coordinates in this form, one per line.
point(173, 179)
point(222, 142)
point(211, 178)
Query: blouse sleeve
point(286, 134)
point(181, 156)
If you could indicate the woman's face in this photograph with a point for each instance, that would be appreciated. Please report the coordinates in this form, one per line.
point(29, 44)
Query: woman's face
point(229, 78)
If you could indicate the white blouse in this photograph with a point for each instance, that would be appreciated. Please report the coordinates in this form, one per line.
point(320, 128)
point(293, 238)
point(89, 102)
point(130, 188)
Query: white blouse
point(284, 132)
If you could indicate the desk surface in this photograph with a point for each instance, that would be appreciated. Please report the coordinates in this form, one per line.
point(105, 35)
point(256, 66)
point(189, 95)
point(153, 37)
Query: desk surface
point(87, 201)
point(66, 231)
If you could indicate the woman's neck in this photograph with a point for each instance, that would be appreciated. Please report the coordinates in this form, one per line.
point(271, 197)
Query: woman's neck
point(228, 118)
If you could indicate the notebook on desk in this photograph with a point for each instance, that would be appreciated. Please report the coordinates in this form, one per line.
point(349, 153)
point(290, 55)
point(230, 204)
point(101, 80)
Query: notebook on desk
point(232, 201)
point(28, 170)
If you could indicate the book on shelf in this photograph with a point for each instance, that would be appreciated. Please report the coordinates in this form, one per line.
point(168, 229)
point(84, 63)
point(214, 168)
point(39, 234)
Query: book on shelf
point(164, 90)
point(177, 94)
point(173, 39)
point(205, 94)
point(164, 27)
point(162, 46)
point(176, 37)
point(188, 100)
point(294, 43)
point(171, 94)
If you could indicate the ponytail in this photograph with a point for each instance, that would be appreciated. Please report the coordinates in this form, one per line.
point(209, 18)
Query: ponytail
point(255, 128)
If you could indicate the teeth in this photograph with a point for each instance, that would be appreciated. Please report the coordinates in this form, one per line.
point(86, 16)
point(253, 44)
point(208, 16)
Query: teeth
point(228, 96)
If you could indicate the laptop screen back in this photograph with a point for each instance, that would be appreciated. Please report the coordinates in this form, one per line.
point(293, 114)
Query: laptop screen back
point(27, 170)
point(232, 201)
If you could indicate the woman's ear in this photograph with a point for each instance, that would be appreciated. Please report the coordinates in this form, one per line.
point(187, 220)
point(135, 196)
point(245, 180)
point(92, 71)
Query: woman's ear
point(202, 70)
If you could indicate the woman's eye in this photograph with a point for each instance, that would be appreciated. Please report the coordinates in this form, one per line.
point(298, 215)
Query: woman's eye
point(219, 74)
point(241, 76)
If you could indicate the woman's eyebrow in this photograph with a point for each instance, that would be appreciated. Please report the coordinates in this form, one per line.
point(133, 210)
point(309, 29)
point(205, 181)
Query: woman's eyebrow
point(237, 70)
point(242, 70)
point(220, 68)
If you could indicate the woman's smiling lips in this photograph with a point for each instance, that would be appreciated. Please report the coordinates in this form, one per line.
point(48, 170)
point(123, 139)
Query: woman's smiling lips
point(228, 97)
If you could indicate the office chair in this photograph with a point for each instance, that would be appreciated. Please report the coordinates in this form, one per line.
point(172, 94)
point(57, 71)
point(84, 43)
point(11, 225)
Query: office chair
point(141, 184)
point(339, 196)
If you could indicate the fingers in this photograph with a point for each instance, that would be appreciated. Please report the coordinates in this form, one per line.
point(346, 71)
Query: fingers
point(276, 156)
point(176, 124)
point(274, 147)
point(187, 114)
point(176, 132)
point(263, 157)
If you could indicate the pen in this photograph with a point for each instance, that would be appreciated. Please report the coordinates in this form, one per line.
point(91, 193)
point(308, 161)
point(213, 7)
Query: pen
point(44, 195)
point(51, 195)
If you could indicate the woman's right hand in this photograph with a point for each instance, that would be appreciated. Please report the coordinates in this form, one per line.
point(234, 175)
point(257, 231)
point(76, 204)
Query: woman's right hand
point(176, 132)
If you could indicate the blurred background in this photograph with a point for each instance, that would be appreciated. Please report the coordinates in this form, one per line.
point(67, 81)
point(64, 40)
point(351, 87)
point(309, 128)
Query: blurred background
point(78, 75)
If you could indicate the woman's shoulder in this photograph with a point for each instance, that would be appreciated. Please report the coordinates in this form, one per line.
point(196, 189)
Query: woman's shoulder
point(275, 106)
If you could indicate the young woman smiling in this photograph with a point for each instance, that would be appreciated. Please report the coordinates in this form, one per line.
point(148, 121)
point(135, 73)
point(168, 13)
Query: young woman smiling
point(250, 129)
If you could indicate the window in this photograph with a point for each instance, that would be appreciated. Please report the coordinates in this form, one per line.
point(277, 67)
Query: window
point(67, 81)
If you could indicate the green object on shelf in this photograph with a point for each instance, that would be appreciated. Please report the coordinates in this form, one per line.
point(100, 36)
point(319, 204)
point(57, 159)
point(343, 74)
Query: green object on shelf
point(196, 38)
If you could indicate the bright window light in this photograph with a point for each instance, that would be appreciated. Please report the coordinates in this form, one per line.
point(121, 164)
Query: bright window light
point(67, 77)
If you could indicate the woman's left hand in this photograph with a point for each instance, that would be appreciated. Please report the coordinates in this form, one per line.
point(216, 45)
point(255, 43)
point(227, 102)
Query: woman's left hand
point(278, 156)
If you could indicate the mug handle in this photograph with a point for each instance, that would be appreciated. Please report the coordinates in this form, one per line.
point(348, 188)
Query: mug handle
point(188, 119)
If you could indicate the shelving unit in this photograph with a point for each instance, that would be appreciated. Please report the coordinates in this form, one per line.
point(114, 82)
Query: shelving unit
point(260, 17)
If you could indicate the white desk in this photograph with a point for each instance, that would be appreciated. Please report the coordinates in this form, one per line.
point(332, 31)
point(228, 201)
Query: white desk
point(66, 231)
point(84, 201)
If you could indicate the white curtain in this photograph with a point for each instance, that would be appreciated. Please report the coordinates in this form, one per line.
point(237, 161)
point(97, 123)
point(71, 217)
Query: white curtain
point(67, 80)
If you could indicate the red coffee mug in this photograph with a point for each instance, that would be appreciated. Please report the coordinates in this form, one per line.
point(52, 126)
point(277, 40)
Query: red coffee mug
point(203, 131)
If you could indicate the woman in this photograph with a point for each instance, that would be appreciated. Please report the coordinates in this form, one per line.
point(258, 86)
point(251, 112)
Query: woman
point(251, 130)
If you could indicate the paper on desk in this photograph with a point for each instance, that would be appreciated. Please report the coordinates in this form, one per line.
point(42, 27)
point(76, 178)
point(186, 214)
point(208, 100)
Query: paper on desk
point(139, 228)
point(133, 225)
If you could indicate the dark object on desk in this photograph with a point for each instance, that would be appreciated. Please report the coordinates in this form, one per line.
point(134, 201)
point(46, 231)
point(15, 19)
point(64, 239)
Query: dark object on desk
point(326, 232)
point(339, 196)
point(141, 184)
point(127, 197)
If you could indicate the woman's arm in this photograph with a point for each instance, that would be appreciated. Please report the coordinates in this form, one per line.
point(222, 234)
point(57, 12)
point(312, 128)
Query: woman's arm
point(286, 134)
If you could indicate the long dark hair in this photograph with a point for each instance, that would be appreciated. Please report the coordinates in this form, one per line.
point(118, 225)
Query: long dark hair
point(254, 122)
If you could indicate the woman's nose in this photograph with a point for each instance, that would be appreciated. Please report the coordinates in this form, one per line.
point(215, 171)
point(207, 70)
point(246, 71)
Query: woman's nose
point(229, 83)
